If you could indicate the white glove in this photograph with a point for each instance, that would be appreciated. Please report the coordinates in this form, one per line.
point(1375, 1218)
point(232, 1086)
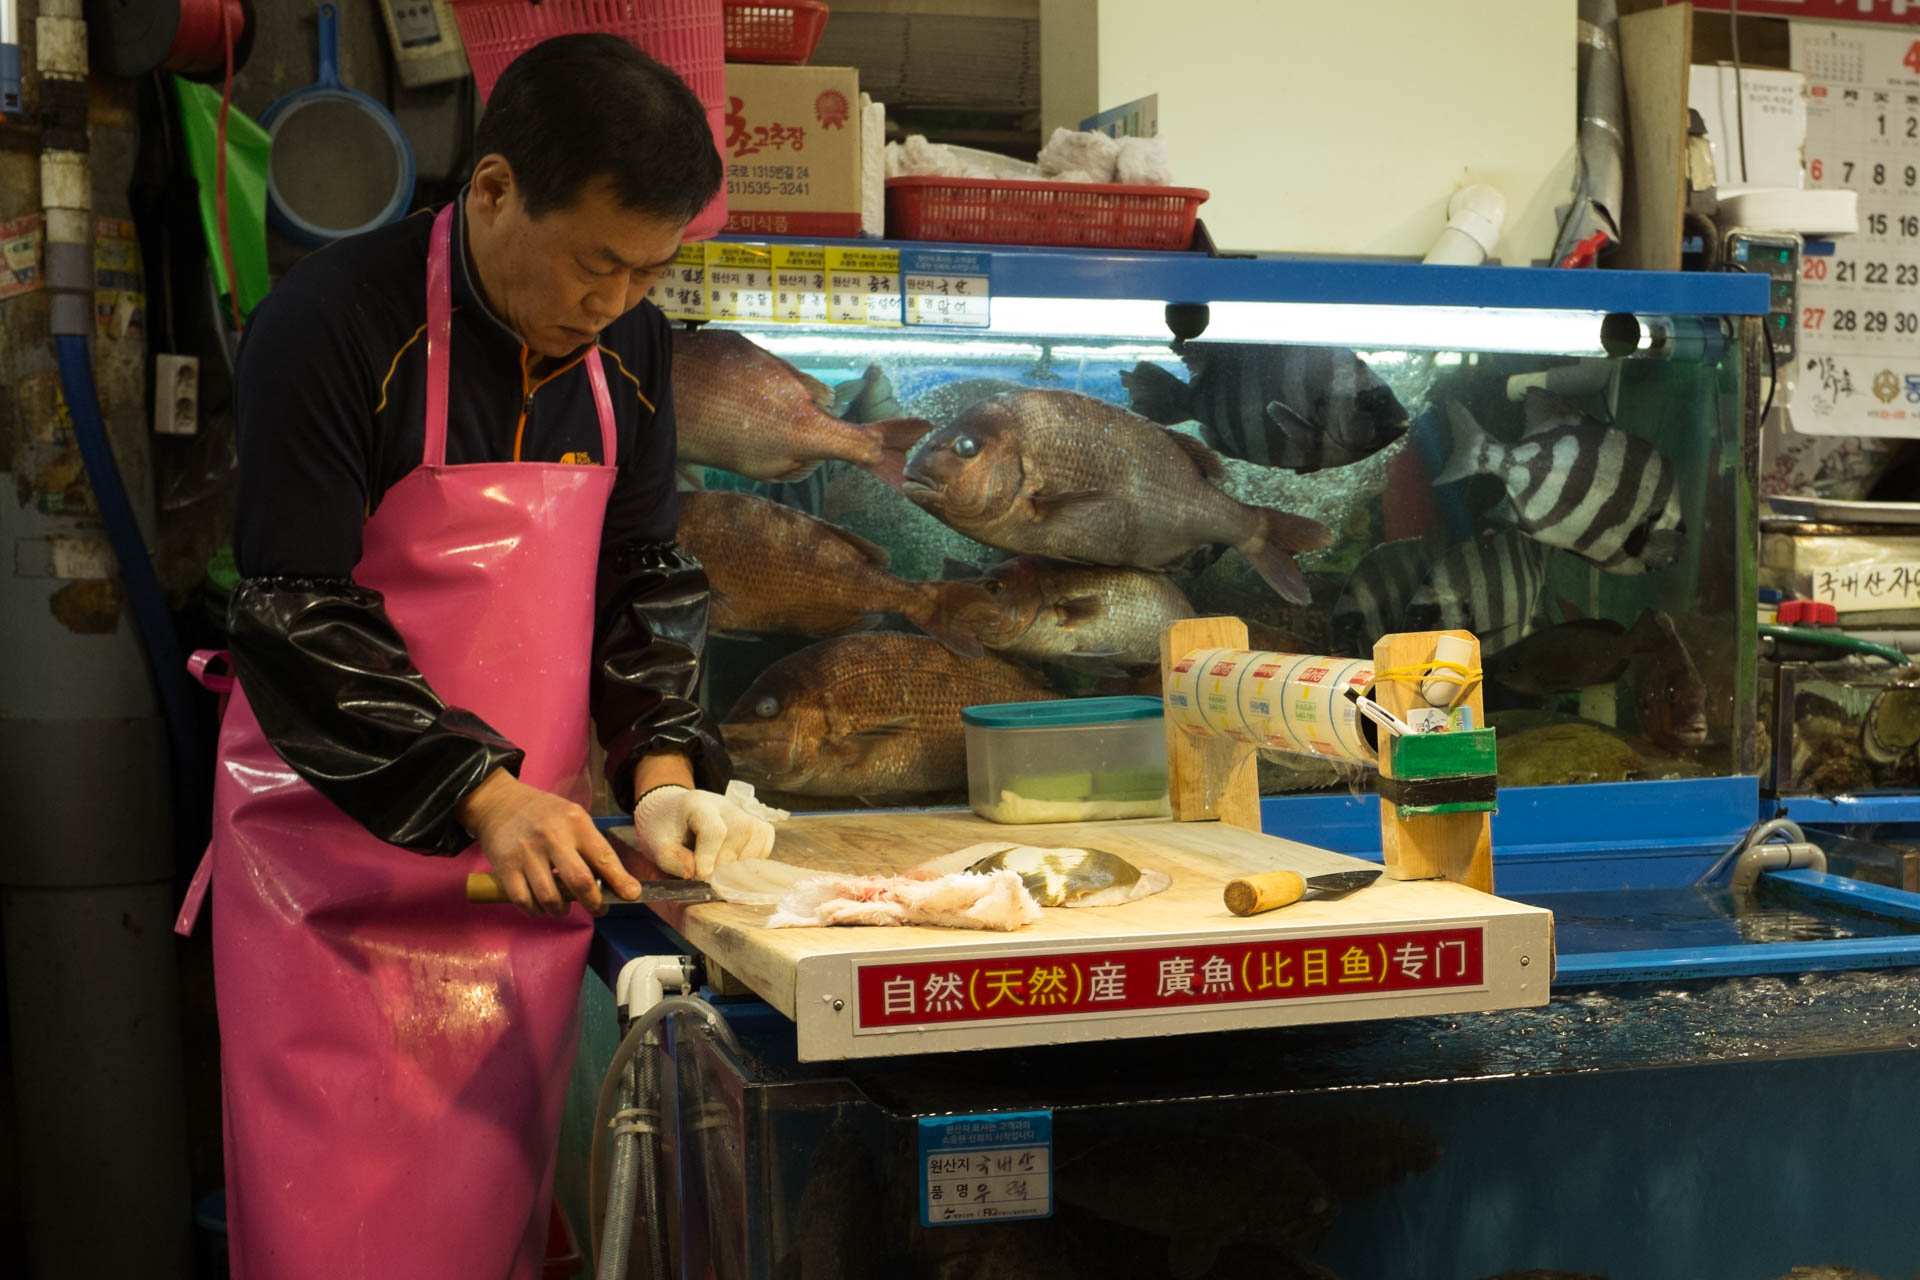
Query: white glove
point(688, 833)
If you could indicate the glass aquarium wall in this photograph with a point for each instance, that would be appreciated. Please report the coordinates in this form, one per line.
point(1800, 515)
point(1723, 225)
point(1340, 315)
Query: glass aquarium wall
point(900, 523)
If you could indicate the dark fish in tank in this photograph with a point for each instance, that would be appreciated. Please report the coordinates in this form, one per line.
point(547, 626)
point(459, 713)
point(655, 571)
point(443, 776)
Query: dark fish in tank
point(780, 571)
point(1374, 601)
point(1063, 475)
point(1047, 611)
point(868, 398)
point(1574, 654)
point(1301, 408)
point(1577, 483)
point(867, 715)
point(1668, 691)
point(747, 411)
point(1489, 586)
point(1202, 1195)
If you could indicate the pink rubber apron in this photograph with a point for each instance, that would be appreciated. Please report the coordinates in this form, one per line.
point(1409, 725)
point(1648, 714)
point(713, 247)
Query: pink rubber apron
point(395, 1060)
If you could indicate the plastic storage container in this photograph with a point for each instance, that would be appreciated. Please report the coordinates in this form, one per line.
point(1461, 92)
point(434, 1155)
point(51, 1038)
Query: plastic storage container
point(1074, 760)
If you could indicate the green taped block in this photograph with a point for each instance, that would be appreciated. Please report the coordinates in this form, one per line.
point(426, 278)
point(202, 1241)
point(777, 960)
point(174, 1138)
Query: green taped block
point(1461, 753)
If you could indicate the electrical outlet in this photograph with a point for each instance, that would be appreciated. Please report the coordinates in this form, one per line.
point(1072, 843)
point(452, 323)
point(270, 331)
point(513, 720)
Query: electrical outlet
point(176, 395)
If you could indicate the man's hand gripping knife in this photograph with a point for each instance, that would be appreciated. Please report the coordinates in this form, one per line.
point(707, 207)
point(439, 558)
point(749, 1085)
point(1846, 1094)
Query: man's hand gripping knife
point(688, 833)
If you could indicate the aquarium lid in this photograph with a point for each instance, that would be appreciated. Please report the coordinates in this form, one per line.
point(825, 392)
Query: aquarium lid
point(1064, 713)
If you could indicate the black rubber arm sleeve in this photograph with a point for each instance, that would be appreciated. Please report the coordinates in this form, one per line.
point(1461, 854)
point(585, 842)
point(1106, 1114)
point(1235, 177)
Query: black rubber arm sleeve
point(650, 637)
point(338, 698)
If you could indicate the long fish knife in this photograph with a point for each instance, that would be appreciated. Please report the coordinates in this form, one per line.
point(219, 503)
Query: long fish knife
point(1250, 895)
point(485, 888)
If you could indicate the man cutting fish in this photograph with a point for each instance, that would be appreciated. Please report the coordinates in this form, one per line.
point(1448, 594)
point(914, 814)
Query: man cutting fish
point(455, 527)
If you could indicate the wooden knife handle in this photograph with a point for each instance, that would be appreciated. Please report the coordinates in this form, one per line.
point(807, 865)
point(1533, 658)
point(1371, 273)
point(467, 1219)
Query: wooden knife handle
point(1250, 895)
point(485, 889)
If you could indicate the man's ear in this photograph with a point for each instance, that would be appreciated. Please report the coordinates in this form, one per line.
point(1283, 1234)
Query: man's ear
point(491, 188)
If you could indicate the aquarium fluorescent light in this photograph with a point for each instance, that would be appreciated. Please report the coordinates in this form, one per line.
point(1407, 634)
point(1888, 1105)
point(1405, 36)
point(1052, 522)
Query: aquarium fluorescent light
point(1543, 332)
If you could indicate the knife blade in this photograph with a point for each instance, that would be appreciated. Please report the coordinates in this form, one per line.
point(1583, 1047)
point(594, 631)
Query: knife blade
point(1250, 895)
point(485, 888)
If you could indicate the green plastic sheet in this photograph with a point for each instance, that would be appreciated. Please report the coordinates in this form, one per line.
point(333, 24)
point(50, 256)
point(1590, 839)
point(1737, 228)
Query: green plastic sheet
point(247, 148)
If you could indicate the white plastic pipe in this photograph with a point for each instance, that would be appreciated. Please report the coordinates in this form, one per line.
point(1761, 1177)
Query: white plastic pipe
point(1474, 218)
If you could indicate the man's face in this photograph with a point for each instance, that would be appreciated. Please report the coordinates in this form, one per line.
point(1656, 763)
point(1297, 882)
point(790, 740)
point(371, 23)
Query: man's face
point(559, 279)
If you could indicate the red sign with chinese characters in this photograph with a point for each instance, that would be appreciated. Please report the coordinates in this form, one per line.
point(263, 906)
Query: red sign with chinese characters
point(1158, 979)
point(1892, 11)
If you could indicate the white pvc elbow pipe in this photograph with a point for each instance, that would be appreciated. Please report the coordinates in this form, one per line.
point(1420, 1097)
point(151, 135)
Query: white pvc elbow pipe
point(1474, 218)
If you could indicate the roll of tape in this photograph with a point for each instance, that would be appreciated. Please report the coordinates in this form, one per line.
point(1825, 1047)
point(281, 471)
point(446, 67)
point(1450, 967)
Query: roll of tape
point(1284, 701)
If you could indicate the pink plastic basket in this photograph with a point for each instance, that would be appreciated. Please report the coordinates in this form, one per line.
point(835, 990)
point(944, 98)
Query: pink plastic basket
point(687, 35)
point(995, 211)
point(759, 31)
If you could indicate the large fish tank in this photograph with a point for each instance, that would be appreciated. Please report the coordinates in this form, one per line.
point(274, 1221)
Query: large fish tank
point(1596, 530)
point(1720, 1086)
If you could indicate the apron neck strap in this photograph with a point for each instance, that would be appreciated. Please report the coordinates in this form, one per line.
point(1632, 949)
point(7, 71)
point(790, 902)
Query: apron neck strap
point(439, 335)
point(439, 342)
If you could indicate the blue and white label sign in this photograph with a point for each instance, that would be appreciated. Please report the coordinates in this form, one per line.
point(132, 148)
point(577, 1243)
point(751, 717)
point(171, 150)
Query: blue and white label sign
point(945, 287)
point(992, 1168)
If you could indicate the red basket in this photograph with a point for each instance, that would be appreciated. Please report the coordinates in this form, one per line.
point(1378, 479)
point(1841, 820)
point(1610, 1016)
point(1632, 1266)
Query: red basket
point(996, 211)
point(683, 34)
point(762, 32)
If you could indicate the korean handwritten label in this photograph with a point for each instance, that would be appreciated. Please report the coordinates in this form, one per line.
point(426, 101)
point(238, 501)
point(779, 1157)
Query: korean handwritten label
point(863, 286)
point(1166, 979)
point(681, 290)
point(989, 1168)
point(800, 284)
point(945, 288)
point(1871, 586)
point(1858, 367)
point(739, 282)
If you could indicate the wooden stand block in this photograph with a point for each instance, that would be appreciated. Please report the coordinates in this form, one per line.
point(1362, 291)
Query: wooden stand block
point(1449, 846)
point(1237, 799)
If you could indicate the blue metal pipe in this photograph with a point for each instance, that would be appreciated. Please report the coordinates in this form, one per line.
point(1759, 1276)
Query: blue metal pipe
point(144, 595)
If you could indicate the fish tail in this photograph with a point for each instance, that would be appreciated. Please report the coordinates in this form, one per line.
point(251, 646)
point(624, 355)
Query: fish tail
point(1466, 446)
point(953, 613)
point(1272, 548)
point(1157, 394)
point(897, 437)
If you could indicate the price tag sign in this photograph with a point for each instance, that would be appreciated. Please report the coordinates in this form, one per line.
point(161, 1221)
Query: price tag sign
point(991, 1168)
point(946, 288)
point(863, 286)
point(739, 281)
point(799, 285)
point(681, 290)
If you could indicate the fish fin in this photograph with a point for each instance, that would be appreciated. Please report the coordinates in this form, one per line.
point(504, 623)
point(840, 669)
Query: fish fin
point(1079, 610)
point(1543, 411)
point(1465, 442)
point(1099, 655)
point(800, 472)
point(819, 392)
point(1158, 394)
point(1206, 460)
point(1047, 505)
point(952, 569)
point(1569, 610)
point(946, 611)
point(877, 555)
point(1293, 425)
point(844, 394)
point(897, 438)
point(690, 479)
point(1271, 550)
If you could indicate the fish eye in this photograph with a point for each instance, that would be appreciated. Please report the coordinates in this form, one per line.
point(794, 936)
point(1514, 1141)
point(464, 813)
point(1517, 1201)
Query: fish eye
point(966, 446)
point(767, 708)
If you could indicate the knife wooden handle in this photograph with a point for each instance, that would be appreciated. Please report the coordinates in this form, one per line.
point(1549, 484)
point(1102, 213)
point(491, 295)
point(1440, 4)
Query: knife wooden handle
point(1250, 895)
point(485, 889)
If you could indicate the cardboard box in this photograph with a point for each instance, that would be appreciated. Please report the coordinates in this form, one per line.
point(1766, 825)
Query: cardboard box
point(792, 148)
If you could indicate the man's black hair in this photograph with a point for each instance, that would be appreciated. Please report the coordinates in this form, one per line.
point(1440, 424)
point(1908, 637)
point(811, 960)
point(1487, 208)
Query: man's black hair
point(579, 107)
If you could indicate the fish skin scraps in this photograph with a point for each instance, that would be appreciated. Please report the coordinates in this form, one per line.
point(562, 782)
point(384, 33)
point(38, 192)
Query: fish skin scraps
point(965, 900)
